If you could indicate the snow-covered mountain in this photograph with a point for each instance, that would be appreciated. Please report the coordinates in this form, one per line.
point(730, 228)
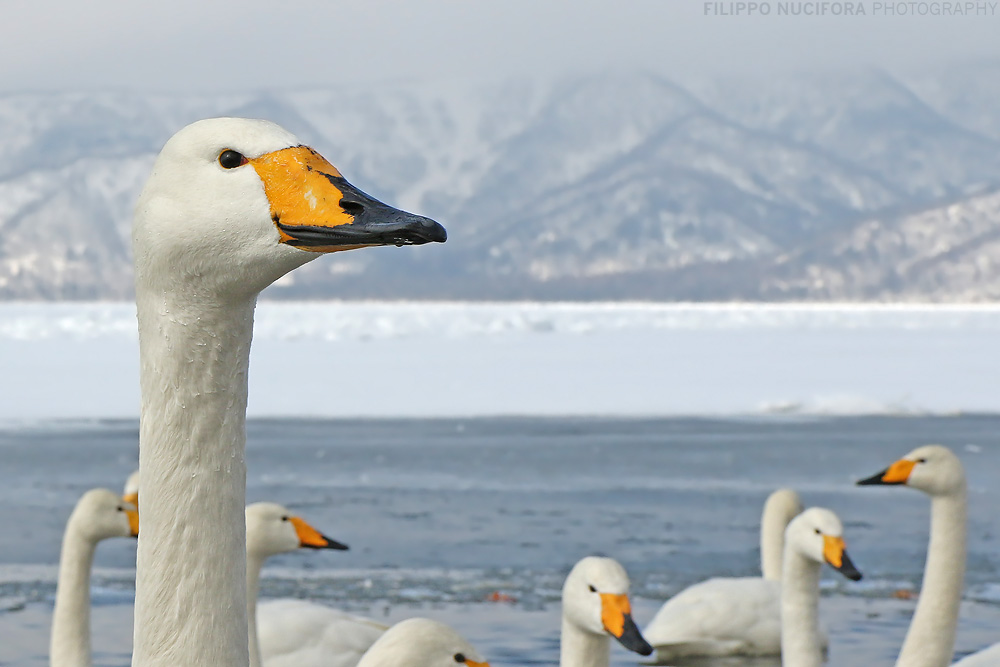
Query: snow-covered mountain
point(833, 185)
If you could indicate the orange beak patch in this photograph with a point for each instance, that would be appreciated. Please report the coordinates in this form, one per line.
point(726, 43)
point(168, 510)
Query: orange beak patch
point(298, 183)
point(133, 521)
point(473, 663)
point(833, 550)
point(899, 472)
point(308, 536)
point(614, 609)
point(131, 498)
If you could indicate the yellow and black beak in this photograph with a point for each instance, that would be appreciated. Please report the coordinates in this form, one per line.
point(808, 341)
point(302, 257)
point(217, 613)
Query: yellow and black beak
point(835, 554)
point(897, 473)
point(133, 520)
point(316, 209)
point(310, 538)
point(616, 614)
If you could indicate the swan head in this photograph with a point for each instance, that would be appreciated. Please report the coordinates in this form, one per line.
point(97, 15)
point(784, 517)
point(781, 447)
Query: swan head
point(233, 204)
point(818, 535)
point(595, 599)
point(273, 529)
point(421, 642)
point(101, 514)
point(933, 469)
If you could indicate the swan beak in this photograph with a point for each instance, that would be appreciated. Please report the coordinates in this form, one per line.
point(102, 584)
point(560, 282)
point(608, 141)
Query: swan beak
point(316, 209)
point(310, 538)
point(897, 473)
point(473, 663)
point(835, 553)
point(133, 520)
point(616, 614)
point(132, 498)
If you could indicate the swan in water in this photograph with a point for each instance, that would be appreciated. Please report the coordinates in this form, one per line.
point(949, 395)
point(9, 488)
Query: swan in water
point(421, 642)
point(726, 616)
point(814, 537)
point(930, 641)
point(231, 206)
point(595, 607)
point(296, 632)
point(99, 514)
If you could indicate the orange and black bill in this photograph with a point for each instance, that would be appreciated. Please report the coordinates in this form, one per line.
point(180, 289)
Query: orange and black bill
point(835, 554)
point(616, 615)
point(897, 473)
point(310, 538)
point(316, 209)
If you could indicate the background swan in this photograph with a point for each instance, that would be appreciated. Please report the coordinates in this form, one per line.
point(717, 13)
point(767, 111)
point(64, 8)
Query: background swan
point(99, 514)
point(731, 615)
point(421, 642)
point(231, 206)
point(814, 537)
point(595, 607)
point(296, 632)
point(936, 471)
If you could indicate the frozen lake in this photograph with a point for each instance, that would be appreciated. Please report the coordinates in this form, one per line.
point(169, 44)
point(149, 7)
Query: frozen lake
point(463, 359)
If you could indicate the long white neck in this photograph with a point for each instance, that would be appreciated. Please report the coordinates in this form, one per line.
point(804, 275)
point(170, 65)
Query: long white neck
point(255, 564)
point(800, 636)
point(579, 648)
point(190, 606)
point(70, 641)
point(773, 522)
point(930, 641)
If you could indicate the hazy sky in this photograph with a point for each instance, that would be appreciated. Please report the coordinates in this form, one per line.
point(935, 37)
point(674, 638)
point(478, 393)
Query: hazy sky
point(182, 45)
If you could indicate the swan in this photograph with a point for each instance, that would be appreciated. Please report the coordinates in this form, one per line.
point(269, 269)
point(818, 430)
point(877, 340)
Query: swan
point(812, 538)
point(728, 616)
point(936, 471)
point(231, 205)
point(296, 632)
point(595, 606)
point(421, 642)
point(99, 514)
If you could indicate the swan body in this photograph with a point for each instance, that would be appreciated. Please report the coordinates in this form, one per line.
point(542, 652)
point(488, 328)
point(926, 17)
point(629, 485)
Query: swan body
point(295, 632)
point(421, 642)
point(814, 537)
point(99, 515)
point(935, 470)
point(988, 657)
point(596, 607)
point(730, 616)
point(231, 206)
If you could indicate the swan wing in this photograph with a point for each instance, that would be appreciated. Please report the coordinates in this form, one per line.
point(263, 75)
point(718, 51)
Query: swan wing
point(302, 634)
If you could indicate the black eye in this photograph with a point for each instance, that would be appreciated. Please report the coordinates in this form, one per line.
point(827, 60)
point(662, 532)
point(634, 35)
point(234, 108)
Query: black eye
point(121, 509)
point(818, 531)
point(592, 589)
point(284, 518)
point(459, 657)
point(231, 159)
point(921, 461)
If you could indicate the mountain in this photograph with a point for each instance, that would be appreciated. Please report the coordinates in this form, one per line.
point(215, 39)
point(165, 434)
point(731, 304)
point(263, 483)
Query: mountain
point(829, 185)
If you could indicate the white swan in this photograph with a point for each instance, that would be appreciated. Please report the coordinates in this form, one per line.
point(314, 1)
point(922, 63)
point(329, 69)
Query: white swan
point(230, 207)
point(595, 607)
point(936, 471)
point(814, 537)
point(726, 616)
point(296, 632)
point(98, 515)
point(421, 642)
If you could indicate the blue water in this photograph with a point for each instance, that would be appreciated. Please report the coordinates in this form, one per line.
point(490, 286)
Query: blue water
point(440, 513)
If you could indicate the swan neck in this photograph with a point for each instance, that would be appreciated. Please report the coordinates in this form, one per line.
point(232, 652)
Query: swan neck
point(70, 641)
point(930, 641)
point(255, 563)
point(579, 648)
point(191, 564)
point(772, 539)
point(800, 634)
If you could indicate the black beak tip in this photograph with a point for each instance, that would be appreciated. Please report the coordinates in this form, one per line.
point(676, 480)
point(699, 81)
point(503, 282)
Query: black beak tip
point(335, 545)
point(633, 640)
point(433, 232)
point(874, 480)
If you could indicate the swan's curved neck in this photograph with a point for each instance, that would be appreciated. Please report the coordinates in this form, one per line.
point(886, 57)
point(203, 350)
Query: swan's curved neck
point(190, 606)
point(772, 538)
point(255, 563)
point(579, 648)
point(800, 636)
point(930, 641)
point(70, 642)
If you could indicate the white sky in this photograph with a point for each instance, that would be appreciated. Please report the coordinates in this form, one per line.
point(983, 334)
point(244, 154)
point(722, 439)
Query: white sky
point(204, 45)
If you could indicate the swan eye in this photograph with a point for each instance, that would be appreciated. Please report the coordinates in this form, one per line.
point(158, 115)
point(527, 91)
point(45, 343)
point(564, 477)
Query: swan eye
point(230, 159)
point(284, 518)
point(921, 461)
point(592, 589)
point(121, 509)
point(459, 657)
point(819, 532)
